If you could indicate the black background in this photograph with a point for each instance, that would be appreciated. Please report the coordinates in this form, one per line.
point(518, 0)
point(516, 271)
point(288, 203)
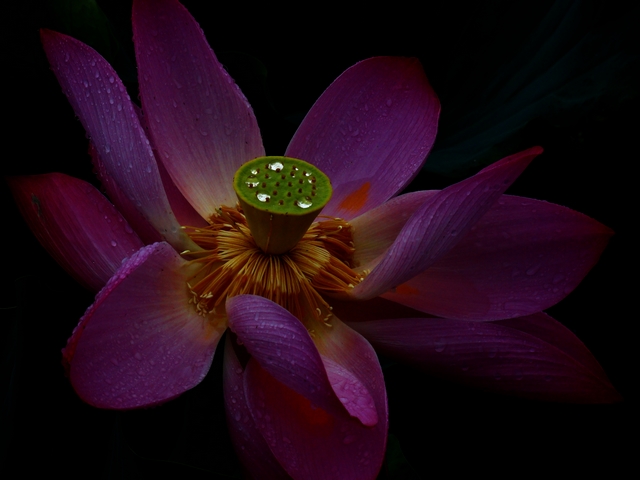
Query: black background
point(442, 429)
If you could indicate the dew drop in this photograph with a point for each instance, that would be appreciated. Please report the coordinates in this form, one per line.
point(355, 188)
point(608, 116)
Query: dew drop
point(303, 203)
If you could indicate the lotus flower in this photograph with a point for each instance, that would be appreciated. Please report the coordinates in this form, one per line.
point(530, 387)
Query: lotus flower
point(454, 281)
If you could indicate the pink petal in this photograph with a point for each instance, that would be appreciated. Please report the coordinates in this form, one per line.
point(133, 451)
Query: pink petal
point(77, 226)
point(533, 357)
point(140, 224)
point(201, 124)
point(311, 442)
point(181, 207)
point(100, 100)
point(370, 132)
point(253, 451)
point(141, 343)
point(376, 230)
point(440, 224)
point(354, 372)
point(307, 441)
point(522, 257)
point(282, 345)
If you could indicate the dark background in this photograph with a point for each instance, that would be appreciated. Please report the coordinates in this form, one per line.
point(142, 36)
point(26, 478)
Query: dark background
point(283, 61)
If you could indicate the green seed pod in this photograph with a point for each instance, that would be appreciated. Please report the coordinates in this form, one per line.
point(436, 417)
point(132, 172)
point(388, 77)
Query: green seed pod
point(280, 197)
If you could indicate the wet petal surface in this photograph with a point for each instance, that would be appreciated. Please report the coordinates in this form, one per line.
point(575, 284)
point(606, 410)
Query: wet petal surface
point(282, 345)
point(77, 225)
point(522, 257)
point(102, 104)
point(440, 223)
point(201, 123)
point(141, 343)
point(310, 441)
point(370, 132)
point(533, 357)
point(254, 453)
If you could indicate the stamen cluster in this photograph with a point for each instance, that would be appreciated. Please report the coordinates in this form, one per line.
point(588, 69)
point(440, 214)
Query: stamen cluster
point(232, 264)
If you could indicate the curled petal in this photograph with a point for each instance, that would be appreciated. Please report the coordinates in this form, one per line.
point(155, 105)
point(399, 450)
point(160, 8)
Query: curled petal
point(440, 223)
point(370, 132)
point(201, 123)
point(141, 343)
point(77, 225)
point(102, 104)
point(254, 453)
point(282, 345)
point(522, 257)
point(308, 440)
point(533, 357)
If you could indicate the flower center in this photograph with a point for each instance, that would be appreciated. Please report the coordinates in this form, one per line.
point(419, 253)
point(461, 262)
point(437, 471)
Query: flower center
point(280, 197)
point(277, 253)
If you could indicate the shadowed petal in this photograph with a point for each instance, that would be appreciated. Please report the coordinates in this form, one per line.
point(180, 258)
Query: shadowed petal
point(307, 441)
point(311, 442)
point(141, 343)
point(533, 357)
point(370, 132)
point(437, 226)
point(282, 345)
point(126, 207)
point(76, 224)
point(102, 104)
point(523, 256)
point(254, 453)
point(201, 123)
point(375, 309)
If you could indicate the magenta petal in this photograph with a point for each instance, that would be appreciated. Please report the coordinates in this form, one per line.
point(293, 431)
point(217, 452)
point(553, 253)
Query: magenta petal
point(376, 230)
point(282, 345)
point(102, 104)
point(76, 224)
point(136, 219)
point(351, 392)
point(142, 343)
point(533, 357)
point(370, 132)
point(440, 224)
point(253, 451)
point(522, 257)
point(201, 123)
point(307, 441)
point(182, 209)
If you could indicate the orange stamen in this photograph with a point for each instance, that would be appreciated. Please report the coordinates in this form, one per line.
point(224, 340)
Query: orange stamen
point(232, 264)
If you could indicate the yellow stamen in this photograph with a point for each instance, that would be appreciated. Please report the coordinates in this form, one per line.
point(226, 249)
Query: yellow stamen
point(232, 264)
